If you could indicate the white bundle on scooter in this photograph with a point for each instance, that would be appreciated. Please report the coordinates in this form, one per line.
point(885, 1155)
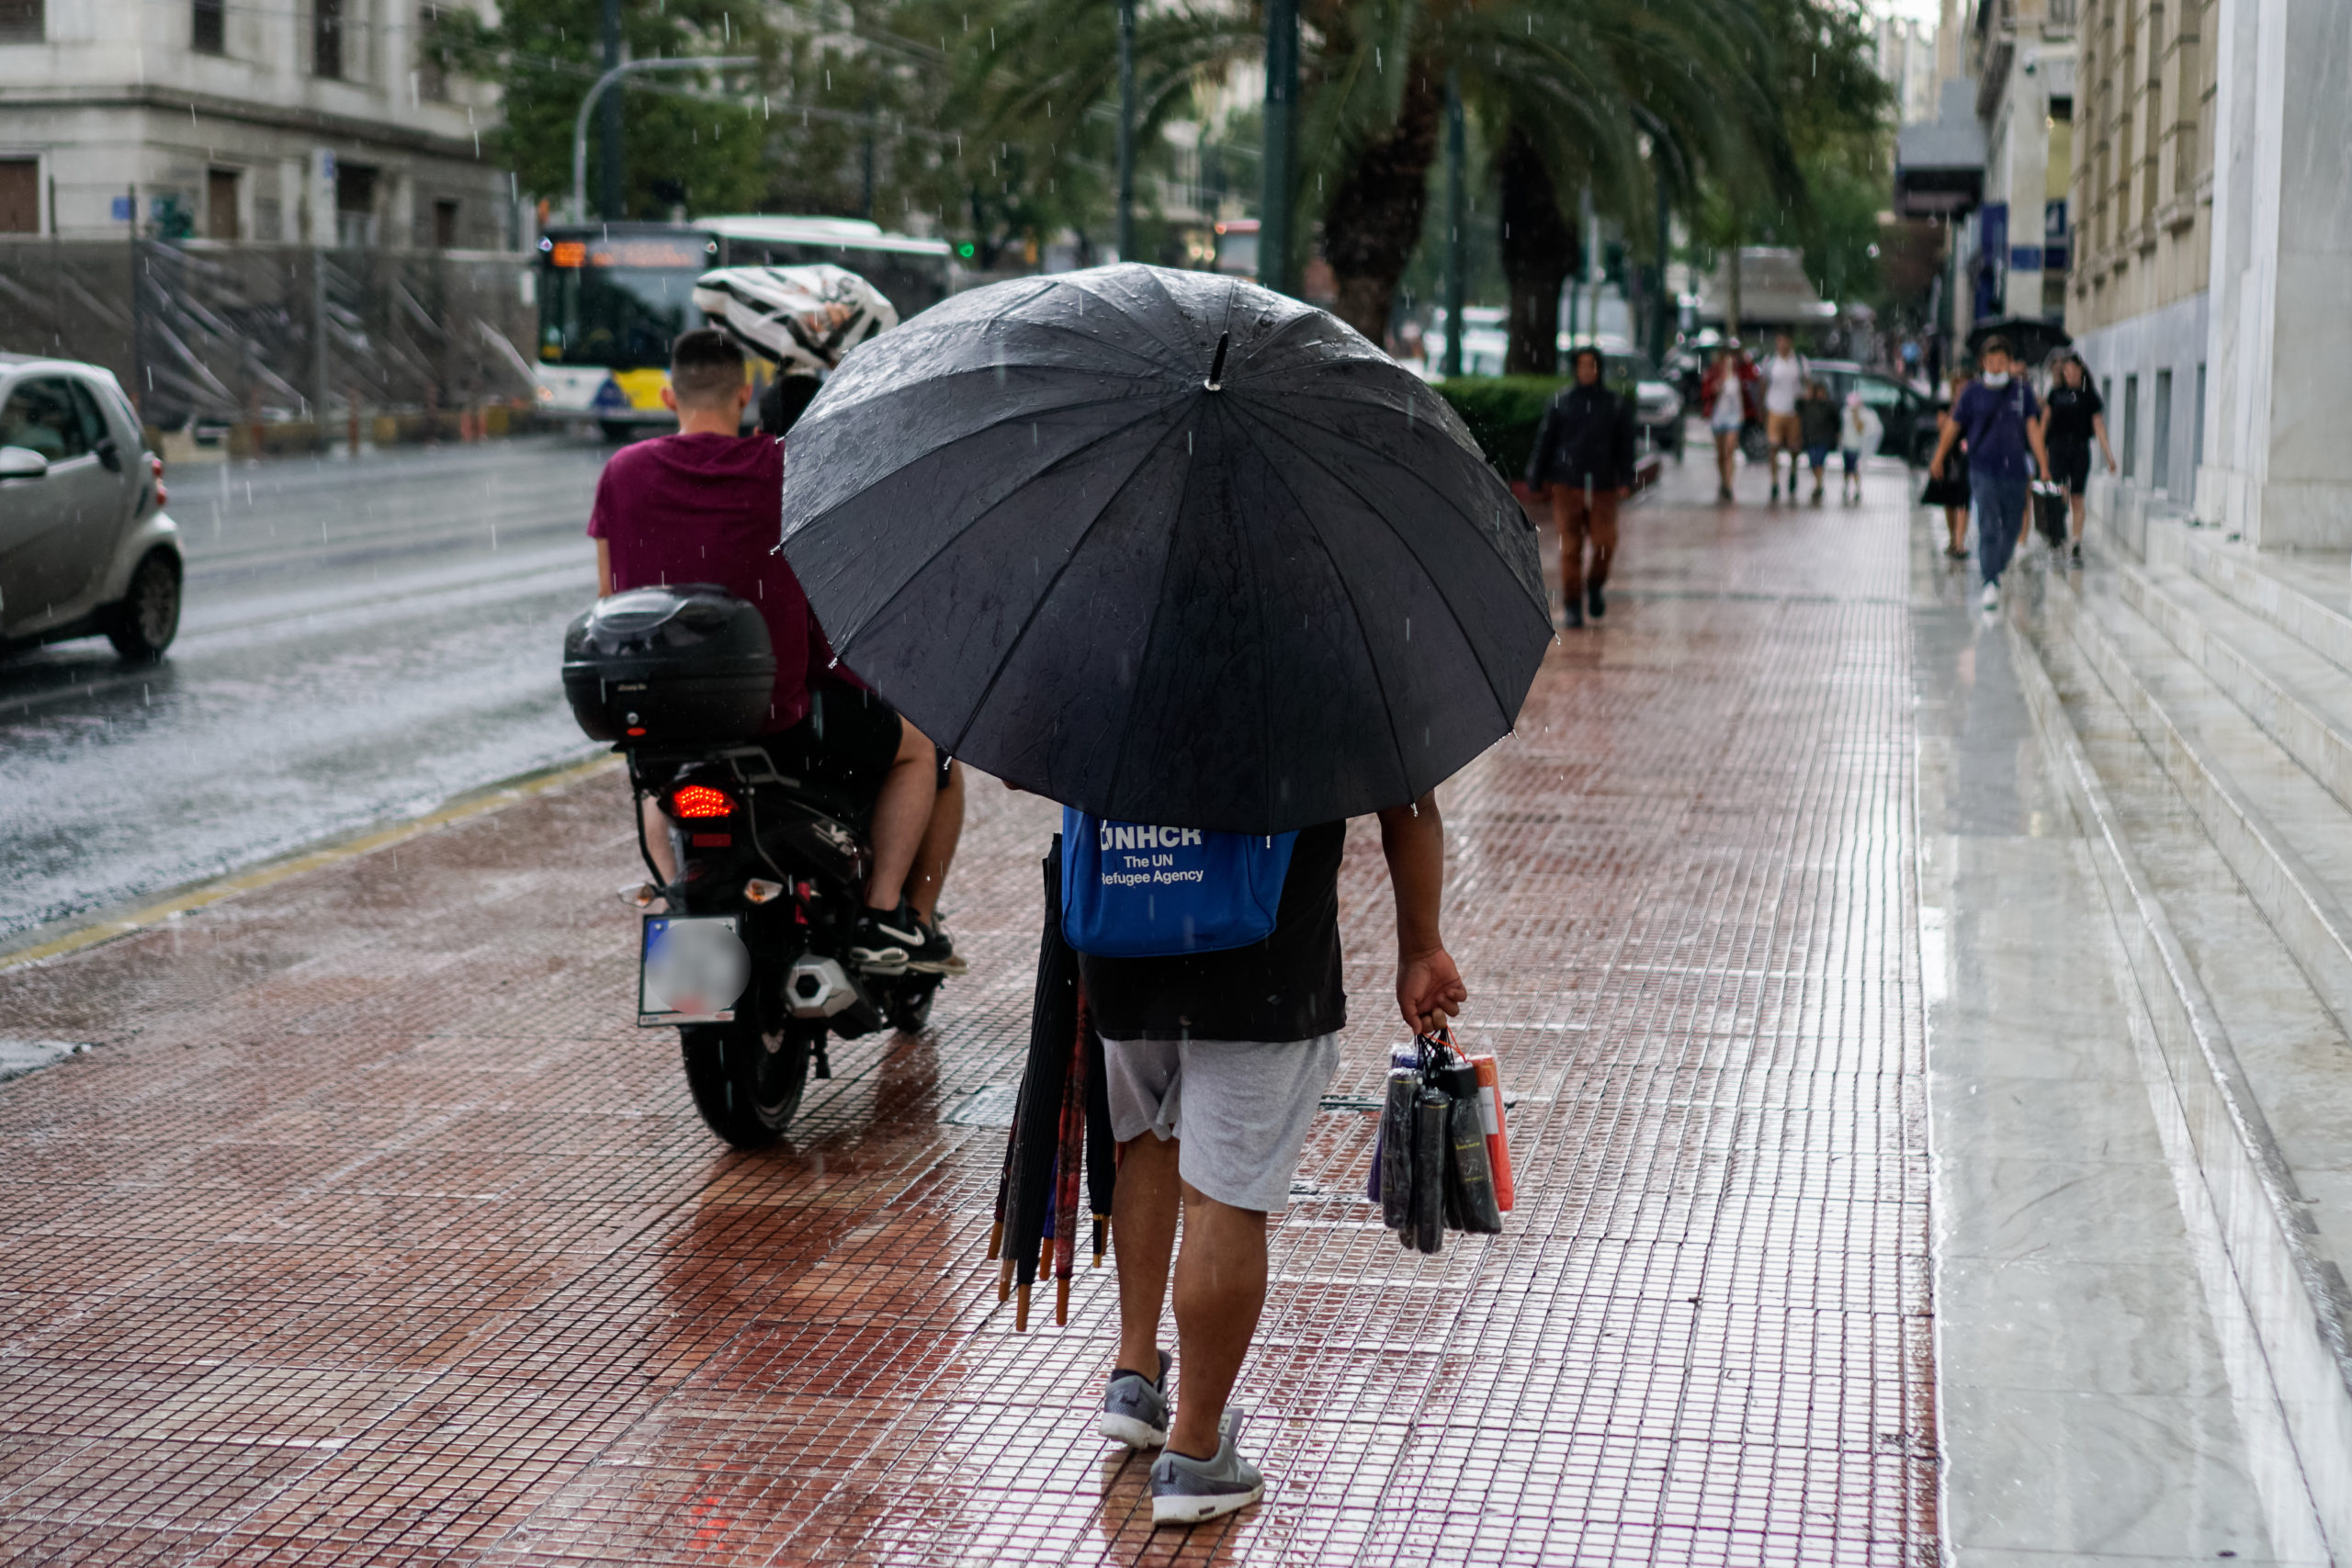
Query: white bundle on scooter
point(804, 318)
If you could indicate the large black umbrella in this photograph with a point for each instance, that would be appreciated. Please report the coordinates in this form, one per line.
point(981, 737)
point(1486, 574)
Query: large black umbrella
point(1166, 546)
point(2031, 339)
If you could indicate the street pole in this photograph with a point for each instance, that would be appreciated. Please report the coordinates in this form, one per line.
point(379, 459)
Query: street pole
point(137, 362)
point(609, 127)
point(1281, 96)
point(1126, 224)
point(1662, 313)
point(631, 68)
point(1457, 228)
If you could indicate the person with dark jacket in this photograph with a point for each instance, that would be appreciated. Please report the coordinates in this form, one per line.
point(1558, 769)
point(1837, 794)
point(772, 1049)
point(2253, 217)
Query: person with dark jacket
point(1584, 457)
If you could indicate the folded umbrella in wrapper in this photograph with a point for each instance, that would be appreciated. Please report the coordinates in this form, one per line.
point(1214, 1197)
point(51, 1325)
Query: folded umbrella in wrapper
point(1431, 1168)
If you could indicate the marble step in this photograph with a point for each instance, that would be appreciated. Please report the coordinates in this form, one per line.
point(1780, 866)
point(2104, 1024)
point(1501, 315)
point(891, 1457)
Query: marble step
point(2286, 844)
point(2300, 699)
point(2259, 1069)
point(2309, 598)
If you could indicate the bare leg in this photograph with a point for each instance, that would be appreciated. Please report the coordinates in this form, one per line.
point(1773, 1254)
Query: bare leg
point(1220, 1290)
point(1956, 523)
point(2074, 509)
point(901, 812)
point(1143, 1237)
point(1726, 449)
point(937, 851)
point(657, 839)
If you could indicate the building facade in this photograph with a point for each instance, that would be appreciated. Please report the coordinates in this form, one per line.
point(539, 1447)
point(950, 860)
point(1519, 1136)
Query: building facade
point(2143, 195)
point(2021, 53)
point(316, 122)
point(2276, 465)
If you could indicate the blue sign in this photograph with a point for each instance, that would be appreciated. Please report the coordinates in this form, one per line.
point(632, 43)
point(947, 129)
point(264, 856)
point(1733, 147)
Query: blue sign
point(2025, 258)
point(1992, 232)
point(2053, 222)
point(121, 209)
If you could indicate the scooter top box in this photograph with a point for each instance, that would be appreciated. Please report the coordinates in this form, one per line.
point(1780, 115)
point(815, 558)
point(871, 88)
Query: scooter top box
point(686, 662)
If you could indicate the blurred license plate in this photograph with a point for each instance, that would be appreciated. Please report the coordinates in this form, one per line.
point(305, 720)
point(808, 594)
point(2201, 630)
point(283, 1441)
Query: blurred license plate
point(690, 969)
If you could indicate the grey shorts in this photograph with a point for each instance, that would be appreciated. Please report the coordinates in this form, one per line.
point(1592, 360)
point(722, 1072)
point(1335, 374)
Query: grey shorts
point(1241, 1107)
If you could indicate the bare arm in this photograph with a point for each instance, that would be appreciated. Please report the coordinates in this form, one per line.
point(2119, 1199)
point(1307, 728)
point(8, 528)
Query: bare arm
point(2041, 452)
point(1944, 445)
point(2099, 428)
point(604, 568)
point(1428, 987)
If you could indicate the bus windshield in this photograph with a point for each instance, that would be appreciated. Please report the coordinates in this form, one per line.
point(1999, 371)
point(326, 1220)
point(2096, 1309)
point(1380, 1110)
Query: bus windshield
point(616, 300)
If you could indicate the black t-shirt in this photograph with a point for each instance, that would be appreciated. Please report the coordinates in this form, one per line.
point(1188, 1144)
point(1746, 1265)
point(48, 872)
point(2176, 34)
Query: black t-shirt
point(1285, 987)
point(2072, 409)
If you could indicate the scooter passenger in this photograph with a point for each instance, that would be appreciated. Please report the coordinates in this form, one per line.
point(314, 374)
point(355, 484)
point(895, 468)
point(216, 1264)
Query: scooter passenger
point(701, 506)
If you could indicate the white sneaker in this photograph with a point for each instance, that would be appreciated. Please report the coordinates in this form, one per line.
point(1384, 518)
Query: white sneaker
point(1992, 596)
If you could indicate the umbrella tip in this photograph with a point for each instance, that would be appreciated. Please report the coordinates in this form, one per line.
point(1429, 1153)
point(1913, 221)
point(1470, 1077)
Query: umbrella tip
point(1216, 383)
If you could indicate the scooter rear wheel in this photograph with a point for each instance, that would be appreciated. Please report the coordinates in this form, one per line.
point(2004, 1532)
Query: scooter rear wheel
point(747, 1088)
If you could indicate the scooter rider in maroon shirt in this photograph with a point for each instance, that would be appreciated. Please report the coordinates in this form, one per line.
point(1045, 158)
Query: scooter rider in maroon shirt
point(701, 506)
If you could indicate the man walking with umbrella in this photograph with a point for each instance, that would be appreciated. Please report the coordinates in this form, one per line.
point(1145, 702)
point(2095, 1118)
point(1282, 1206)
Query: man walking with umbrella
point(1584, 456)
point(1172, 549)
point(1216, 1063)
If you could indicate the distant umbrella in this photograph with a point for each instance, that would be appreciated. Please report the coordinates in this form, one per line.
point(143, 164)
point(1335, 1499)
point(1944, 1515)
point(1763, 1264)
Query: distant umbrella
point(1168, 547)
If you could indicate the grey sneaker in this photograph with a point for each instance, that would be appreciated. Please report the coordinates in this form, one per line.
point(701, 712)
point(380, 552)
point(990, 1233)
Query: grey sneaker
point(1135, 1412)
point(1187, 1491)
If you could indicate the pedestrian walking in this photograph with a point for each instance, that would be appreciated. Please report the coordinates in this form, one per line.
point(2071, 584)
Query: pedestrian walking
point(1817, 418)
point(1584, 457)
point(2001, 421)
point(1141, 533)
point(1859, 432)
point(2074, 417)
point(1948, 488)
point(1784, 378)
point(1726, 391)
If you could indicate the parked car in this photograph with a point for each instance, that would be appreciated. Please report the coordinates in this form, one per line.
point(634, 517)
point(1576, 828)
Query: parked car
point(85, 546)
point(1906, 416)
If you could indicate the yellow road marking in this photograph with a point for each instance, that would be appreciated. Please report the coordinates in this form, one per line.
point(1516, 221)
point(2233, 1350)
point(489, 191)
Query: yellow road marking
point(207, 894)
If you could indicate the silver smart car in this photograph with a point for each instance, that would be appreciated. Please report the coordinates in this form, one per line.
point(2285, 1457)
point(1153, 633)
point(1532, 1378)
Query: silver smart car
point(85, 547)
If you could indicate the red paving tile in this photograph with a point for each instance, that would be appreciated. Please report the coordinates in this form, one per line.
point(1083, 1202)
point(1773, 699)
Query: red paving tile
point(374, 1232)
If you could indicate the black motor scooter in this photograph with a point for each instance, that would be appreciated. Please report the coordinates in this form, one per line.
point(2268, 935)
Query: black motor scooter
point(746, 951)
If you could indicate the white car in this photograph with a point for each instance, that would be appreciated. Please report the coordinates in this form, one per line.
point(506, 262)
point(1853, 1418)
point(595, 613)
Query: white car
point(85, 546)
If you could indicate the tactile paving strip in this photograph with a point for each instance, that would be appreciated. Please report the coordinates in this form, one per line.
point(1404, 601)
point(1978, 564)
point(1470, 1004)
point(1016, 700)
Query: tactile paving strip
point(375, 1233)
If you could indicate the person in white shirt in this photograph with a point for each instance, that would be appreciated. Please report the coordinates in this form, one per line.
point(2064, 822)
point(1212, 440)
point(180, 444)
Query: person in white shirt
point(1785, 376)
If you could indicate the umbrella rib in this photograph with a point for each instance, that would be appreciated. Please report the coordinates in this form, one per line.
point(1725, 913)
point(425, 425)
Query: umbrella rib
point(1284, 412)
point(1259, 351)
point(1158, 366)
point(1502, 707)
point(974, 433)
point(982, 701)
point(1159, 597)
point(1363, 633)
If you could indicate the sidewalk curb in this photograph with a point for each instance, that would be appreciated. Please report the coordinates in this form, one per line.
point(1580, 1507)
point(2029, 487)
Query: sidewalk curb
point(203, 895)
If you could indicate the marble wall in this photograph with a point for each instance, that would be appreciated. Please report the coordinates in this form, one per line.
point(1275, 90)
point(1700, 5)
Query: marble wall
point(2277, 465)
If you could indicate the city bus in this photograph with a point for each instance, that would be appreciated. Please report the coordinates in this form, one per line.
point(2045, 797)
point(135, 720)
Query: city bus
point(611, 296)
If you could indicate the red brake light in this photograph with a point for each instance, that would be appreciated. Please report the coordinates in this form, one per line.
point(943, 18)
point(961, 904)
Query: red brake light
point(155, 471)
point(696, 802)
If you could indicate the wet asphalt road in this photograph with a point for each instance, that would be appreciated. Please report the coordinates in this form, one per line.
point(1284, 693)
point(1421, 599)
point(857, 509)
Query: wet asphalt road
point(361, 639)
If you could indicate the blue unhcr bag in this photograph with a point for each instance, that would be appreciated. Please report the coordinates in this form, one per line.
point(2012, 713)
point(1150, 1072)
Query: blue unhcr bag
point(1131, 891)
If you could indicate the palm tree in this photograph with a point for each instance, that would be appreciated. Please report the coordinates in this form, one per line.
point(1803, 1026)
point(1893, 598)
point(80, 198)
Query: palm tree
point(1578, 87)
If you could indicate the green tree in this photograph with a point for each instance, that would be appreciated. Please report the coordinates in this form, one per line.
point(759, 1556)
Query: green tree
point(689, 139)
point(1818, 58)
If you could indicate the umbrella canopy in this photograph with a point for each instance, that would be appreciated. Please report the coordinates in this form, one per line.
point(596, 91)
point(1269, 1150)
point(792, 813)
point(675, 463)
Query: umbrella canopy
point(2033, 340)
point(1168, 547)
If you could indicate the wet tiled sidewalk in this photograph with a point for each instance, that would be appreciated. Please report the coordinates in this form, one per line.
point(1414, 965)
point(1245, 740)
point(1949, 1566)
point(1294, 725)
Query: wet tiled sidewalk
point(373, 1231)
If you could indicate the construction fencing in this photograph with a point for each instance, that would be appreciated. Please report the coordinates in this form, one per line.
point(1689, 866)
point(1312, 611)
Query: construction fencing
point(257, 335)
